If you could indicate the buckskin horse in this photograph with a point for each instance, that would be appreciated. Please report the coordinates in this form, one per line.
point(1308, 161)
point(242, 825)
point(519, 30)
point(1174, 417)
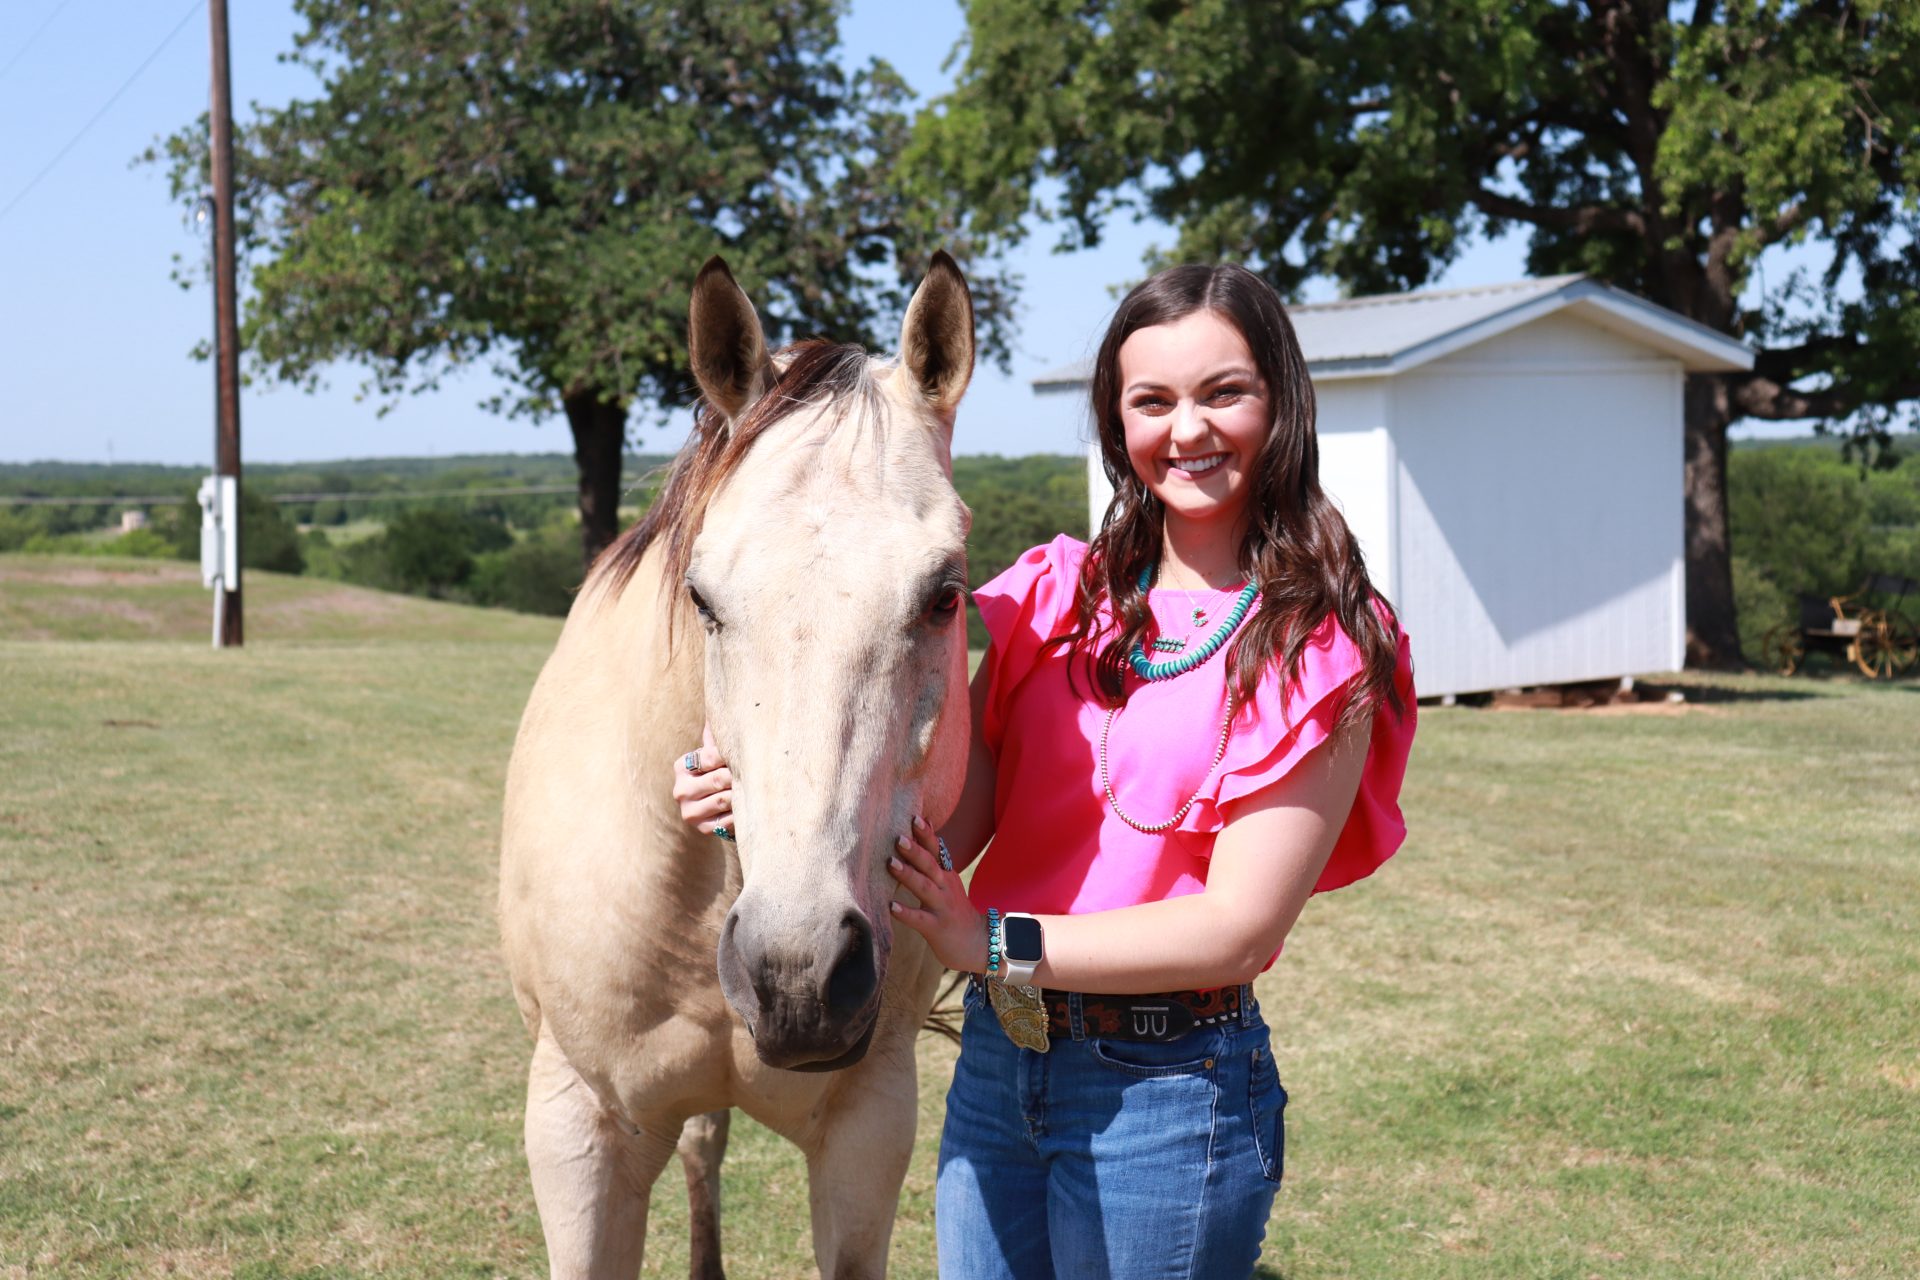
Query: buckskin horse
point(799, 587)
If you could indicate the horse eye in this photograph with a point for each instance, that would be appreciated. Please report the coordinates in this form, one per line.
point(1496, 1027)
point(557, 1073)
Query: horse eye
point(947, 603)
point(700, 604)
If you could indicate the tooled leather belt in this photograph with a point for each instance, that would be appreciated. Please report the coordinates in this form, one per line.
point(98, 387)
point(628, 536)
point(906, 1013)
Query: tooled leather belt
point(1166, 1016)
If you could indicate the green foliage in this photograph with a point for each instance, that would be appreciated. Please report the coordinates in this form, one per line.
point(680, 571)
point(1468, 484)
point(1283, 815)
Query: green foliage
point(268, 540)
point(541, 189)
point(537, 574)
point(142, 544)
point(1808, 521)
point(1017, 503)
point(1801, 517)
point(1658, 149)
point(1761, 606)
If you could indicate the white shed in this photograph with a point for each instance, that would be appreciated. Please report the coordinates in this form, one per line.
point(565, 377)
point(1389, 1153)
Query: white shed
point(1510, 457)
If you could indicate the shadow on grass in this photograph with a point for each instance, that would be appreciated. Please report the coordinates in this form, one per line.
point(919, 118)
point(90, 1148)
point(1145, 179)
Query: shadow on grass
point(1653, 691)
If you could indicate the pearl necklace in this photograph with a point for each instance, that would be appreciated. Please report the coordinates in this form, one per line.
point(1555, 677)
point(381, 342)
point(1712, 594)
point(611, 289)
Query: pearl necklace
point(1106, 779)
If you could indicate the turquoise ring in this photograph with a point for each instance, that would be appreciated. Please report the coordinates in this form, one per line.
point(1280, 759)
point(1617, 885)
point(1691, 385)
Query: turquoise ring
point(724, 834)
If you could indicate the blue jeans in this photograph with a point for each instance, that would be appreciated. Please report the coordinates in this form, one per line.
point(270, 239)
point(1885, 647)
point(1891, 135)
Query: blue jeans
point(1109, 1158)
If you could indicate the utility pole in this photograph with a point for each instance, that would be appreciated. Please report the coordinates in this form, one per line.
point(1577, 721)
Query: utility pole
point(226, 325)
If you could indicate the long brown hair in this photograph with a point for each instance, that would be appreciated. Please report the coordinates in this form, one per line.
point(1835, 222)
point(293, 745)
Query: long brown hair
point(1297, 546)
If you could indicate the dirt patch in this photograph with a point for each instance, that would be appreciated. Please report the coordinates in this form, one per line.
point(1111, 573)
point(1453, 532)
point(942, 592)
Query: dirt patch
point(108, 607)
point(1901, 1075)
point(69, 575)
point(352, 602)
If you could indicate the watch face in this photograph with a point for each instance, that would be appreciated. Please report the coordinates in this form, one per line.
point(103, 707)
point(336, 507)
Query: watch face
point(1021, 938)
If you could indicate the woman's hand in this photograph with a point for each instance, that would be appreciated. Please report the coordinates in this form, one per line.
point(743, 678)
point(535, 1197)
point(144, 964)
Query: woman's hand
point(703, 787)
point(956, 932)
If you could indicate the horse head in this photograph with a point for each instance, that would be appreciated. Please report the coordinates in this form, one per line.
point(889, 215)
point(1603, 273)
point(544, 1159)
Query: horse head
point(828, 576)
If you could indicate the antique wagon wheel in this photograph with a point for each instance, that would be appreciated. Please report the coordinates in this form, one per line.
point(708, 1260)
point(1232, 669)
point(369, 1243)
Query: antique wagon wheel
point(1782, 648)
point(1882, 651)
point(1903, 642)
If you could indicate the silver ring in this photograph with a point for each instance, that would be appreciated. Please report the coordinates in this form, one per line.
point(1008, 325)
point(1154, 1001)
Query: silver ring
point(724, 834)
point(946, 859)
point(692, 763)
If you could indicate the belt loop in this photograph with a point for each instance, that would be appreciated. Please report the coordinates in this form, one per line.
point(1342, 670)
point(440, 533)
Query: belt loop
point(1246, 1004)
point(1076, 1018)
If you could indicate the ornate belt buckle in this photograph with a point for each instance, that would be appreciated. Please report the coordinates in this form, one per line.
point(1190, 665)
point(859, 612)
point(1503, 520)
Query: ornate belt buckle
point(1022, 1014)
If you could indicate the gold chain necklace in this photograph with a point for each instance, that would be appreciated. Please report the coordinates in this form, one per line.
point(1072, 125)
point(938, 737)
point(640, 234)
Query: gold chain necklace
point(1219, 753)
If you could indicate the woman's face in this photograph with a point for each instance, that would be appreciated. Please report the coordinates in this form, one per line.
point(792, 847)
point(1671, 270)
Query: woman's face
point(1196, 414)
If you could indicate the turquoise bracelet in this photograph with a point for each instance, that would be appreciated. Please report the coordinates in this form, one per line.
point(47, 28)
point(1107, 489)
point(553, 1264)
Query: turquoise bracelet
point(993, 941)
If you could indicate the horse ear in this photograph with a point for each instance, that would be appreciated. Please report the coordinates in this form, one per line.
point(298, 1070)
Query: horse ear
point(936, 339)
point(726, 347)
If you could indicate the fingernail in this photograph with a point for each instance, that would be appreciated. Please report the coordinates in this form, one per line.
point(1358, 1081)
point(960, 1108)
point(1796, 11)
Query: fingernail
point(895, 863)
point(894, 907)
point(902, 843)
point(919, 823)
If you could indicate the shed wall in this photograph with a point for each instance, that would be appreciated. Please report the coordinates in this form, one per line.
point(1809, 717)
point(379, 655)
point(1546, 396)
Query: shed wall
point(1538, 491)
point(1356, 469)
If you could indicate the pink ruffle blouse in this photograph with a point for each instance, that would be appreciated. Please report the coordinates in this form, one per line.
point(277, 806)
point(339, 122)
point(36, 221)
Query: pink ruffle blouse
point(1058, 847)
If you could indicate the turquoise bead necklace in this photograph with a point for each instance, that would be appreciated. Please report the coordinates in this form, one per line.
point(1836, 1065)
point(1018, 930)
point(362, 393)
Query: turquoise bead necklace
point(1186, 662)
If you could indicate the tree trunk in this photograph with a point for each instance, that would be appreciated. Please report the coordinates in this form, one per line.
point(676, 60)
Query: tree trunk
point(1713, 639)
point(599, 441)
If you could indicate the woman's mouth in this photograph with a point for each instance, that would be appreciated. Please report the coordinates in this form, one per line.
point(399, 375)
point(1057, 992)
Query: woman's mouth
point(1197, 466)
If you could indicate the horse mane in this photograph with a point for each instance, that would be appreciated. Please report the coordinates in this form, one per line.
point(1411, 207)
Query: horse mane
point(810, 373)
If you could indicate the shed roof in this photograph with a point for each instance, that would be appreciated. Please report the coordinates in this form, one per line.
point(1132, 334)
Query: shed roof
point(1386, 334)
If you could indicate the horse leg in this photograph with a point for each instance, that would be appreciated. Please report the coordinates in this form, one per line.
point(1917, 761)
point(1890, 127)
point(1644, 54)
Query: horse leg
point(591, 1175)
point(703, 1145)
point(855, 1165)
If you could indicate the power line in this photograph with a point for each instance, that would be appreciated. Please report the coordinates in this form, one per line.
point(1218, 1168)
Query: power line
point(46, 22)
point(104, 108)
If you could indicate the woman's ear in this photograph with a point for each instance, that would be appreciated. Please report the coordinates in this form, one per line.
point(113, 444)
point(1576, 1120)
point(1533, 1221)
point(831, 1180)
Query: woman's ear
point(936, 339)
point(726, 347)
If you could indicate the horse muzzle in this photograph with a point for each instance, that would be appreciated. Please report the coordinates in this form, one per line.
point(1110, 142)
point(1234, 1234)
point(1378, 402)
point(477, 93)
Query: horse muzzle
point(809, 993)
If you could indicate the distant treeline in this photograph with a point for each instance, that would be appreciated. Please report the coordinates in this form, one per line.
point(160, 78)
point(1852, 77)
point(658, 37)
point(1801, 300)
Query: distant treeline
point(440, 526)
point(1805, 520)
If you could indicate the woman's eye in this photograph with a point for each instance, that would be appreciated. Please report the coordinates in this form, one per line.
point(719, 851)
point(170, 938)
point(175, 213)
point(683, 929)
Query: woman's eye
point(1226, 395)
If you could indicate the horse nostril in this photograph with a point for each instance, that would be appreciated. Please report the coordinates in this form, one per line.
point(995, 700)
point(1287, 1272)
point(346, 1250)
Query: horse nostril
point(851, 983)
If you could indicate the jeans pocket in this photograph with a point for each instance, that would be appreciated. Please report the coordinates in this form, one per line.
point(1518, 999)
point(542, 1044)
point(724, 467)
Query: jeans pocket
point(1193, 1054)
point(1269, 1103)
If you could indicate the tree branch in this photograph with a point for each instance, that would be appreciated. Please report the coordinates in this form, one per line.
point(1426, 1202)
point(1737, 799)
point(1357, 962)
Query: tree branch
point(1756, 396)
point(1581, 220)
point(1790, 364)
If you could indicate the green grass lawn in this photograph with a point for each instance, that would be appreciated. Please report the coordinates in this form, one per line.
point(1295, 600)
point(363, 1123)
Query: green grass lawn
point(1640, 998)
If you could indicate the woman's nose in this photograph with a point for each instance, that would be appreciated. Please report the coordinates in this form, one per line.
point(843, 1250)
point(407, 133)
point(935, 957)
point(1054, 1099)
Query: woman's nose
point(1189, 423)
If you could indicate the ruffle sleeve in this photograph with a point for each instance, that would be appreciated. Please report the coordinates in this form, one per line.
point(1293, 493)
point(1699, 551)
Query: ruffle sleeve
point(1022, 608)
point(1288, 723)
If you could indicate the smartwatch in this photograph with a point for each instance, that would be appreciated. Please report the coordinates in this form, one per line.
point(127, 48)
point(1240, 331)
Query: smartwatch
point(1020, 947)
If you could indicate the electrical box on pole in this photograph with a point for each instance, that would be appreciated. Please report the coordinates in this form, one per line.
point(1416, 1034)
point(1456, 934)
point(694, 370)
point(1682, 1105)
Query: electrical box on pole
point(219, 544)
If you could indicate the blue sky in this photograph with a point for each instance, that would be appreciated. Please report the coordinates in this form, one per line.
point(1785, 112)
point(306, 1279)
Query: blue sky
point(95, 337)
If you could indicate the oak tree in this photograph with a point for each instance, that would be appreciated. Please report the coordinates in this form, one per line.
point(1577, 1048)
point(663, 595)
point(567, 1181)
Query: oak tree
point(534, 183)
point(1659, 147)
